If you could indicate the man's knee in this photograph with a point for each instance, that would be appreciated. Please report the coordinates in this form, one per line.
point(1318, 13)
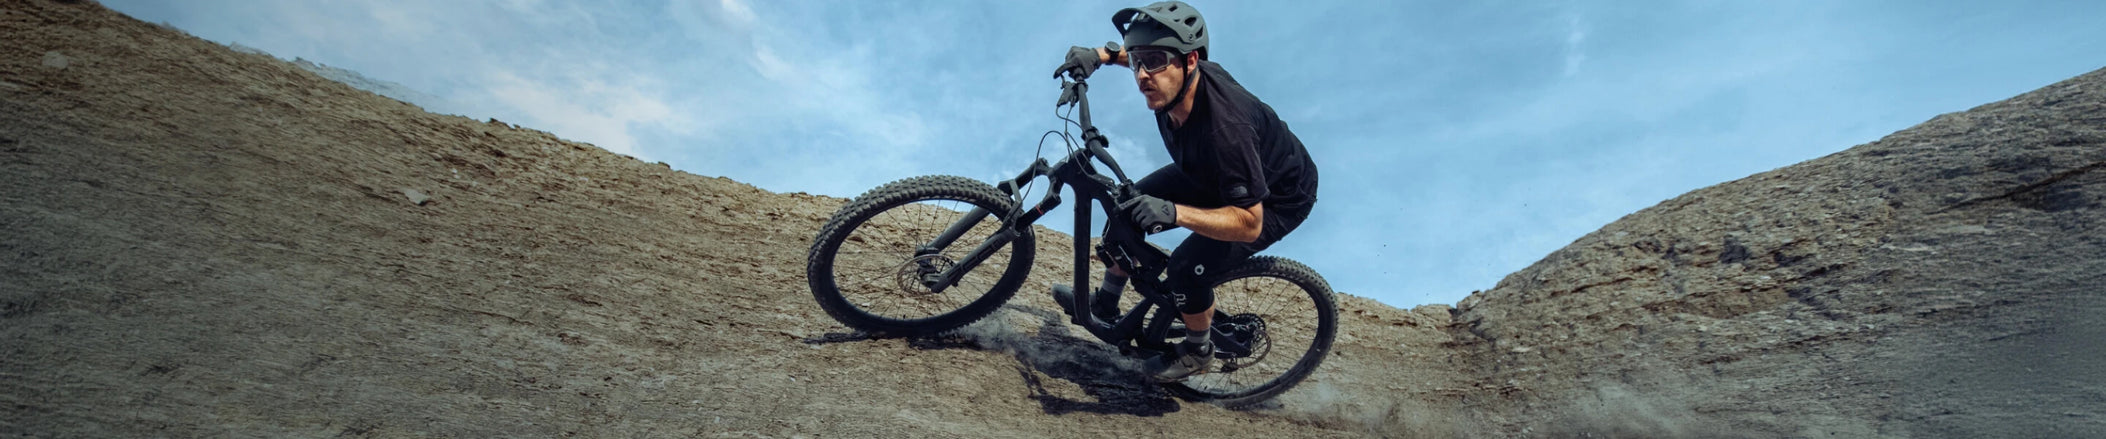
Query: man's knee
point(1193, 300)
point(1190, 291)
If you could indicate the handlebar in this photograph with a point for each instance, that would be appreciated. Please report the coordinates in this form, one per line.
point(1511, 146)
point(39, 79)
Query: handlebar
point(1077, 92)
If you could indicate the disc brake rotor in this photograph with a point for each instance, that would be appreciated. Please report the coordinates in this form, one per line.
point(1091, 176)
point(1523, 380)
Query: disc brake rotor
point(916, 274)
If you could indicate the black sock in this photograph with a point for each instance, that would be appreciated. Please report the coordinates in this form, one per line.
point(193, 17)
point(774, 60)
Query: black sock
point(1114, 284)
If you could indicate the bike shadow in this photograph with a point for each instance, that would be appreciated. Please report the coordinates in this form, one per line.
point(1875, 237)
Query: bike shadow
point(1115, 381)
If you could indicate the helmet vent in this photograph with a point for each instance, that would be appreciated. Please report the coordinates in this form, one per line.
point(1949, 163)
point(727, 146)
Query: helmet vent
point(1171, 24)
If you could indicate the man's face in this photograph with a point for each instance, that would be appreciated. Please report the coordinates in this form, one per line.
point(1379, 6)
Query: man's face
point(1158, 87)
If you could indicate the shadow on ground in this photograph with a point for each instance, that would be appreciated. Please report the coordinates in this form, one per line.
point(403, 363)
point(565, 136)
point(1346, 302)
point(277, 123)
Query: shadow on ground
point(1114, 380)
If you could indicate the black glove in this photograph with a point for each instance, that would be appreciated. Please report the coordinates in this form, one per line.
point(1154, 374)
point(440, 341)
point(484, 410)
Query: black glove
point(1151, 214)
point(1082, 60)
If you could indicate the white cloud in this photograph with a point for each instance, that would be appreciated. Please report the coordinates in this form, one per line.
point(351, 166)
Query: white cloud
point(1575, 37)
point(490, 57)
point(738, 10)
point(589, 111)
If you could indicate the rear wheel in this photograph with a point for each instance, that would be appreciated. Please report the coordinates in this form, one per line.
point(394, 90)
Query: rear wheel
point(1284, 312)
point(871, 268)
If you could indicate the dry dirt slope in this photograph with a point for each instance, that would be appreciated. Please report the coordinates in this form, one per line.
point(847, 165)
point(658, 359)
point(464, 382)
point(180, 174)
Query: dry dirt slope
point(197, 242)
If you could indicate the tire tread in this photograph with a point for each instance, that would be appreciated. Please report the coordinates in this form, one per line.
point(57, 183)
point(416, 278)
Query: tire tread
point(863, 207)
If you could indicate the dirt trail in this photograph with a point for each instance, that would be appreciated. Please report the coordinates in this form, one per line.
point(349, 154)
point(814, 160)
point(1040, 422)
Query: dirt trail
point(200, 242)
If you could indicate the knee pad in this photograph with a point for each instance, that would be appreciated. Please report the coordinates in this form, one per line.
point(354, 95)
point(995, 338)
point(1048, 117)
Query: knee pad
point(1192, 295)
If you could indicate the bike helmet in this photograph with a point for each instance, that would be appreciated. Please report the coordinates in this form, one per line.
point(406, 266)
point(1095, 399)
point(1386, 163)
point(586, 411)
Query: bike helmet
point(1171, 24)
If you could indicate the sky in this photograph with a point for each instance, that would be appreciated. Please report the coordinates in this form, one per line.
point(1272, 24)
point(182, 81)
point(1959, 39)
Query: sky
point(1458, 142)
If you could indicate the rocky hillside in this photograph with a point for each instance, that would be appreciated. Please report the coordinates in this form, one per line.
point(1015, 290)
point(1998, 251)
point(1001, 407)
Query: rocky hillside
point(1948, 280)
point(196, 241)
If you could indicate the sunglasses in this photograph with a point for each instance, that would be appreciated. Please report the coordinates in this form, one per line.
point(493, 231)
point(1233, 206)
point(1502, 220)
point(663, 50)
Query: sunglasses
point(1152, 61)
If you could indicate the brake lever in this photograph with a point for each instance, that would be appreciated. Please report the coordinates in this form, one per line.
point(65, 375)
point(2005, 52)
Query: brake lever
point(1067, 93)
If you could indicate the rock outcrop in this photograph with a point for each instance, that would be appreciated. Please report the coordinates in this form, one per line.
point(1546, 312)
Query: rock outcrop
point(1948, 280)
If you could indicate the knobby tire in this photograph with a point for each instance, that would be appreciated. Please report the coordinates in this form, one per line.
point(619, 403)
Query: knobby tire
point(821, 270)
point(1319, 292)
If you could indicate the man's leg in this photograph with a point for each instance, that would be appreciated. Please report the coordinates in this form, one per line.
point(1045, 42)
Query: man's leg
point(1188, 277)
point(1193, 265)
point(1198, 255)
point(1167, 183)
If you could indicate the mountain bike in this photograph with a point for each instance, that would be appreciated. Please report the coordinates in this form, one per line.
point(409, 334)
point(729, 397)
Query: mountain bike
point(927, 255)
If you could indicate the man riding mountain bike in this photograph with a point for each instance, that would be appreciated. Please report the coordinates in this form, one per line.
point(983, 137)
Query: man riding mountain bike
point(1240, 180)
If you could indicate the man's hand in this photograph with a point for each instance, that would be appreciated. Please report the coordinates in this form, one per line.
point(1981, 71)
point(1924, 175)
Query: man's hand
point(1082, 60)
point(1153, 215)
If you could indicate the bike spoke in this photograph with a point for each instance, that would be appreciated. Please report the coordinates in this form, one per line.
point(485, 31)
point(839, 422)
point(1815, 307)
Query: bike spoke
point(875, 263)
point(1289, 319)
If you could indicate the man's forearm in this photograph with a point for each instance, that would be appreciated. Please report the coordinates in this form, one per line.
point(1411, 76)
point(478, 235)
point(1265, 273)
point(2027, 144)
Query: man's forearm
point(1229, 223)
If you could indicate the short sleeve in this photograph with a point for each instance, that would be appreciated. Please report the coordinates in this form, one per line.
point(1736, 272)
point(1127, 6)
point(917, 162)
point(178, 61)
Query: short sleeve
point(1242, 175)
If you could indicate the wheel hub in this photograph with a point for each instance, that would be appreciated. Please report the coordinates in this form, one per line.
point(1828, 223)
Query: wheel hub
point(1249, 330)
point(917, 275)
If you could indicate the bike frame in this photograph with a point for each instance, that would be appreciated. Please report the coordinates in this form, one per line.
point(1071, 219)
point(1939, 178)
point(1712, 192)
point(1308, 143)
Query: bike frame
point(1124, 245)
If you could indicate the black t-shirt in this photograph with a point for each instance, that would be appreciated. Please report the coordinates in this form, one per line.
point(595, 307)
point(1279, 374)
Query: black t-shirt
point(1236, 145)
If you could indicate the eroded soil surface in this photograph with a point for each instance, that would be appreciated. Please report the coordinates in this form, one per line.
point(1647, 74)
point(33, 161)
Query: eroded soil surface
point(197, 242)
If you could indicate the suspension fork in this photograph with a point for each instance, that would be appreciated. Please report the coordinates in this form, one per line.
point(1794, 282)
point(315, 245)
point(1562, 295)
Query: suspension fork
point(957, 229)
point(947, 278)
point(939, 281)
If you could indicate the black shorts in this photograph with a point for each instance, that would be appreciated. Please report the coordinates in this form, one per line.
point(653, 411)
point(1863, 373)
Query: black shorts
point(1199, 255)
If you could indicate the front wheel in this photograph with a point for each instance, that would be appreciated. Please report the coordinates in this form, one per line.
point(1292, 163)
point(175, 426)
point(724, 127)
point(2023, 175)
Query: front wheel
point(876, 267)
point(1284, 312)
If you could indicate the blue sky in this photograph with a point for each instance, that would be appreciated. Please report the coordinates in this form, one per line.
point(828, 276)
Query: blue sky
point(1458, 141)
